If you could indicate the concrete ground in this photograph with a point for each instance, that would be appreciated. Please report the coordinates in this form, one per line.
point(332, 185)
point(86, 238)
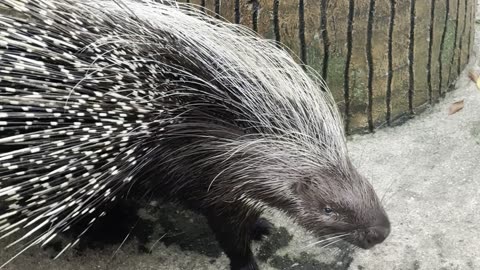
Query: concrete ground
point(428, 171)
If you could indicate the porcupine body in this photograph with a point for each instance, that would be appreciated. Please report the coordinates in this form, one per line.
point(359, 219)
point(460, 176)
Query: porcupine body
point(99, 96)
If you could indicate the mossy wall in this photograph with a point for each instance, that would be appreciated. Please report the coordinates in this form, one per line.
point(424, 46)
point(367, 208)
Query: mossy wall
point(384, 60)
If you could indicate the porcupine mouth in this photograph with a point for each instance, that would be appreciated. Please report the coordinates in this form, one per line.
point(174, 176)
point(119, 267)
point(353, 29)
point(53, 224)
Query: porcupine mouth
point(356, 239)
point(368, 238)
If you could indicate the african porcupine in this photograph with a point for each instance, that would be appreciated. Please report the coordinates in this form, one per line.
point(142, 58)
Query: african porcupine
point(98, 96)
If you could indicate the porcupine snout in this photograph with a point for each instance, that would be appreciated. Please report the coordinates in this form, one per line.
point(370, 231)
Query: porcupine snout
point(377, 233)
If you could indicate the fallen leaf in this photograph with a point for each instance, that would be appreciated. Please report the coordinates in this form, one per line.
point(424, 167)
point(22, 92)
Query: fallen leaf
point(455, 107)
point(475, 77)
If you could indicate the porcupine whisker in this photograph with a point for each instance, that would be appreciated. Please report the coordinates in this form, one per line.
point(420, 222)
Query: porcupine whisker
point(316, 238)
point(326, 243)
point(331, 243)
point(326, 240)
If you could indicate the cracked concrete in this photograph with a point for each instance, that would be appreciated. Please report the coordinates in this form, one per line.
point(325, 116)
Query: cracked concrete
point(427, 171)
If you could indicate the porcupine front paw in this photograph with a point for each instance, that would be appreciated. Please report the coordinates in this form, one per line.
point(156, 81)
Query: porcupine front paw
point(261, 228)
point(235, 240)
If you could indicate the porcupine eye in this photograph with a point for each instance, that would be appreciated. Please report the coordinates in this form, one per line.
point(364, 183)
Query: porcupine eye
point(328, 210)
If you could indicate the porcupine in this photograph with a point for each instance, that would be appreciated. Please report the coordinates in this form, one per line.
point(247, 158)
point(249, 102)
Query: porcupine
point(100, 96)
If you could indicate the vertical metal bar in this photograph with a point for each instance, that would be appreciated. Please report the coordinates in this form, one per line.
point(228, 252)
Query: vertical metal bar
point(454, 45)
point(460, 46)
point(470, 30)
point(255, 7)
point(388, 96)
point(325, 38)
point(411, 56)
point(371, 16)
point(430, 49)
point(217, 9)
point(276, 22)
point(301, 31)
point(237, 11)
point(442, 48)
point(346, 74)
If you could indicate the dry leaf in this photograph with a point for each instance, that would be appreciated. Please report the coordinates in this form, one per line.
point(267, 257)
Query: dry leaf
point(455, 107)
point(475, 77)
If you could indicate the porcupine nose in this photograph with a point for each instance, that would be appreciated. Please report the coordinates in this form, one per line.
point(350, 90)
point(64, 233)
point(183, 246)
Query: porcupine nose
point(376, 234)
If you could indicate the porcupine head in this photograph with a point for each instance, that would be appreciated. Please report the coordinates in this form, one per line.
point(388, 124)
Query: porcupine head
point(223, 113)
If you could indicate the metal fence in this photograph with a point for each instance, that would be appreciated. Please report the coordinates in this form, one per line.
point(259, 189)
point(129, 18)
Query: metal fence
point(383, 60)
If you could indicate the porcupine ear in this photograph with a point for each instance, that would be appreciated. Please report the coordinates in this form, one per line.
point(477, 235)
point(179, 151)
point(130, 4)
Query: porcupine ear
point(302, 186)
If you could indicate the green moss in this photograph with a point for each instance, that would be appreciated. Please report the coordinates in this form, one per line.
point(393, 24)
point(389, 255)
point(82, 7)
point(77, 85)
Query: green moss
point(359, 92)
point(336, 69)
point(315, 58)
